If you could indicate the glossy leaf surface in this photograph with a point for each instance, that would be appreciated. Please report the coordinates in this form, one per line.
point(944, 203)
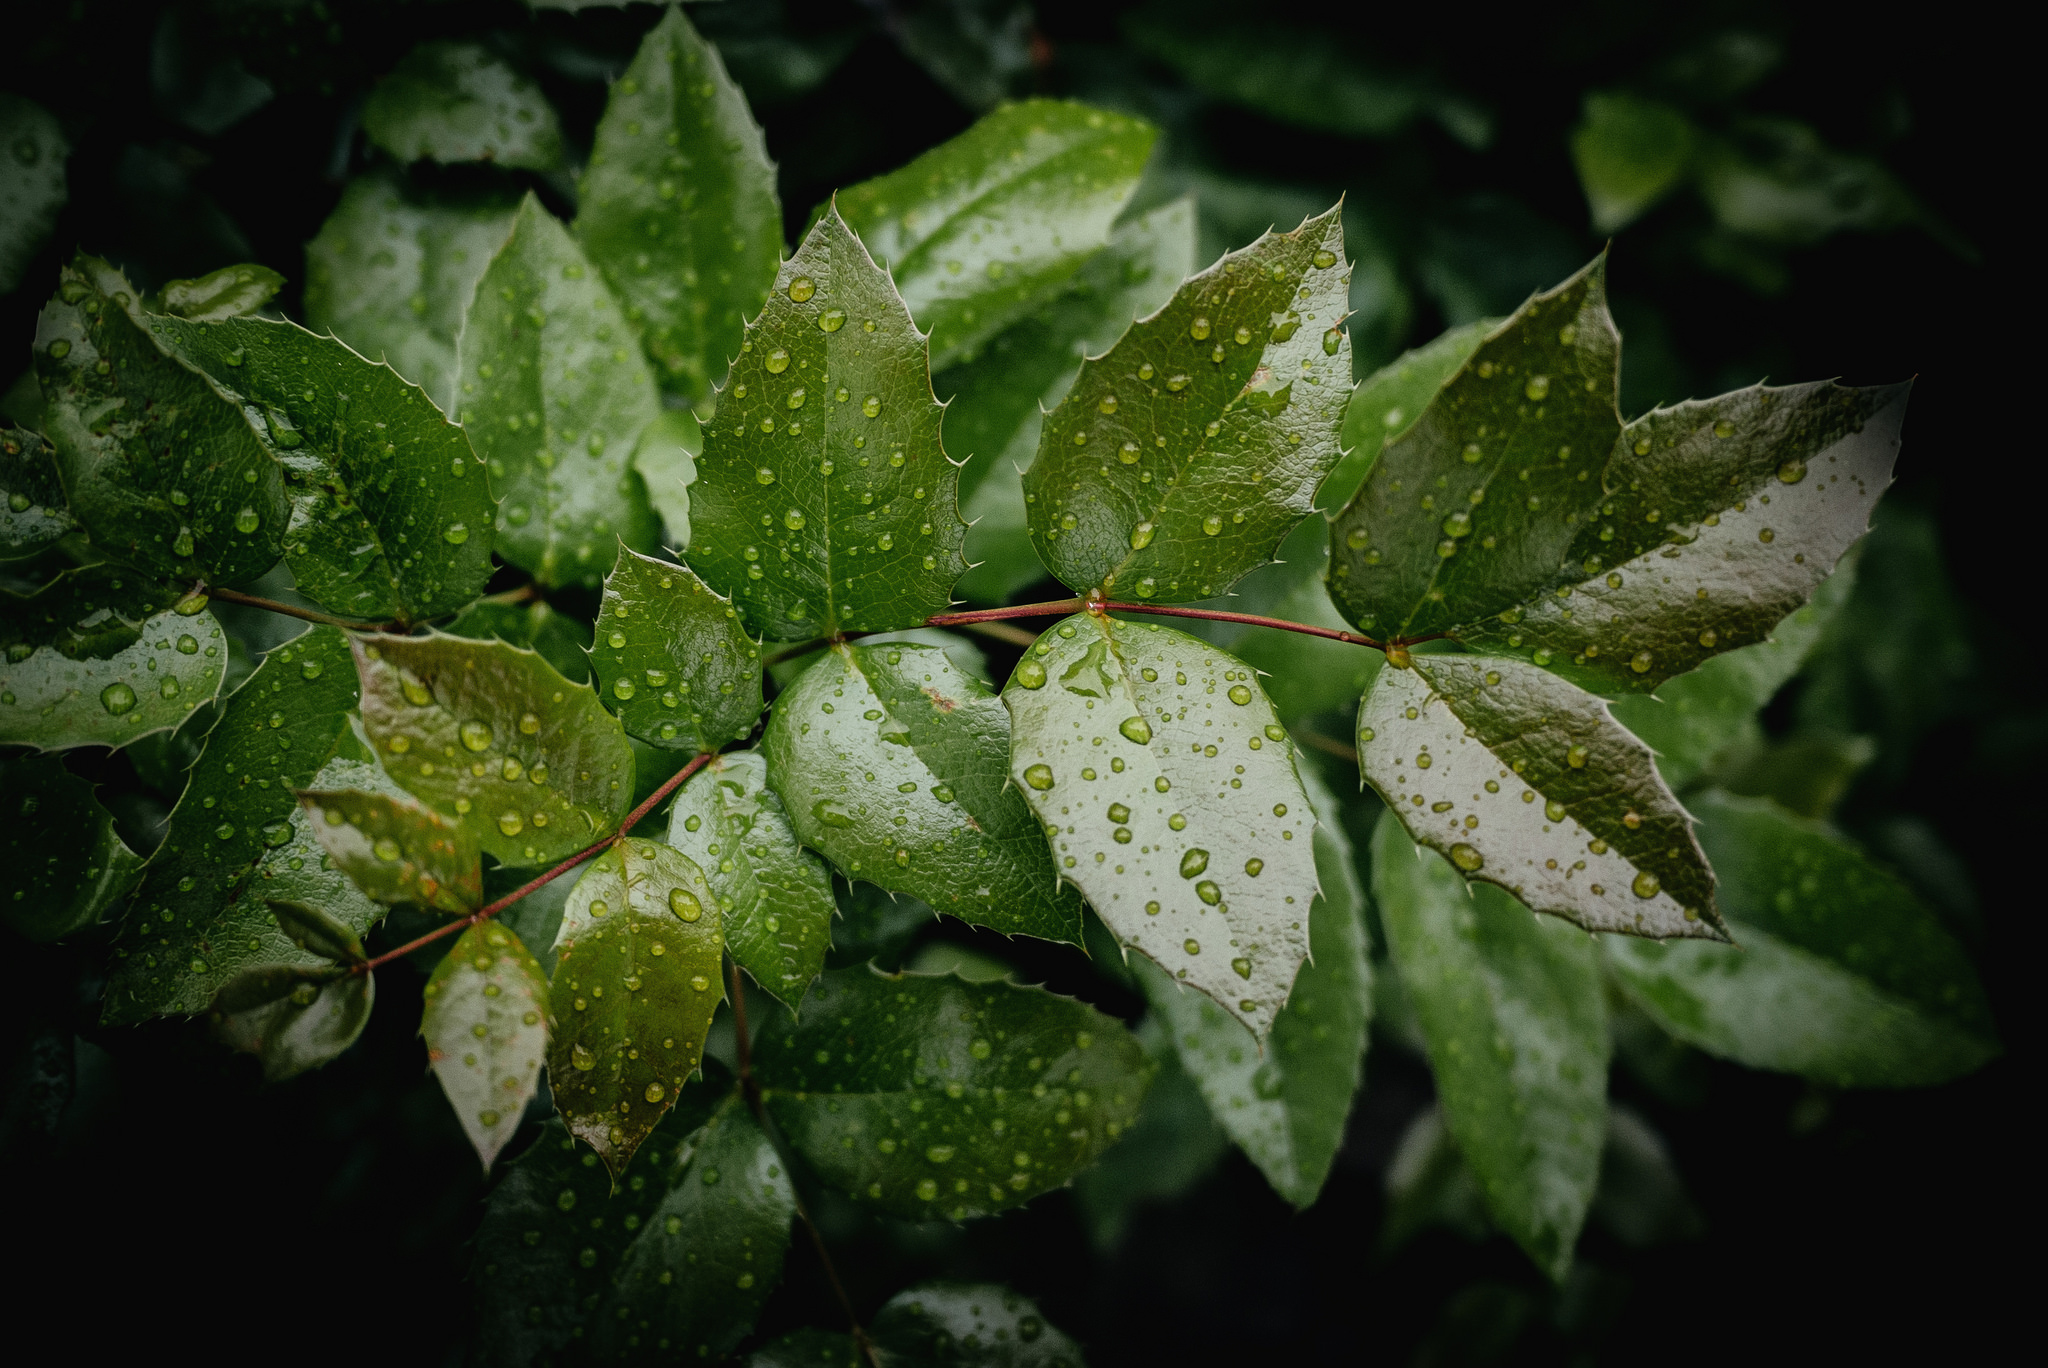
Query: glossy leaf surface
point(895, 765)
point(230, 292)
point(1387, 403)
point(636, 981)
point(62, 864)
point(397, 850)
point(673, 659)
point(824, 501)
point(970, 1324)
point(33, 515)
point(306, 1028)
point(1168, 793)
point(486, 1032)
point(1181, 458)
point(928, 1097)
point(457, 102)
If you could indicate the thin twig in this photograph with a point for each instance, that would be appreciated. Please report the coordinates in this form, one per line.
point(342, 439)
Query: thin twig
point(1021, 610)
point(1002, 631)
point(525, 593)
point(1327, 745)
point(1248, 619)
point(293, 610)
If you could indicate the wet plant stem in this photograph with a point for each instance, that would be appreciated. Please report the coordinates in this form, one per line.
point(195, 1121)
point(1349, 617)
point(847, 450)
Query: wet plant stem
point(1060, 607)
point(294, 611)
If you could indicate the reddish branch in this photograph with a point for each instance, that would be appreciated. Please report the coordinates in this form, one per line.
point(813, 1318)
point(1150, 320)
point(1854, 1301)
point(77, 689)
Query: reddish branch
point(1057, 607)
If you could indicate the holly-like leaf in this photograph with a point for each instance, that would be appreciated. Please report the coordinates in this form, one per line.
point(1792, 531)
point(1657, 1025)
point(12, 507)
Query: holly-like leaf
point(636, 981)
point(230, 292)
point(928, 1097)
point(457, 102)
point(397, 850)
point(391, 510)
point(981, 230)
point(307, 1027)
point(1839, 973)
point(673, 659)
point(555, 397)
point(62, 865)
point(1168, 792)
point(697, 1277)
point(562, 640)
point(776, 896)
point(393, 270)
point(1526, 781)
point(32, 188)
point(666, 458)
point(159, 467)
point(678, 205)
point(33, 515)
point(533, 765)
point(971, 1325)
point(1387, 403)
point(1182, 457)
point(1285, 1105)
point(895, 765)
point(824, 502)
point(1513, 1013)
point(1629, 152)
point(102, 656)
point(485, 1033)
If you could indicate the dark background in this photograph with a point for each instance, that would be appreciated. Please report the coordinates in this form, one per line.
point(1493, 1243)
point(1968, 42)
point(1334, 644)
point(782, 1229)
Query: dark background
point(155, 1192)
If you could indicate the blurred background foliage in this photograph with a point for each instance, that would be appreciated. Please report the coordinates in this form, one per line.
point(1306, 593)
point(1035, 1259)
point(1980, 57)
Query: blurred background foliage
point(1790, 192)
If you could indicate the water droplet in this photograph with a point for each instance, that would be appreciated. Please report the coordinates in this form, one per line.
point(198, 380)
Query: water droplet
point(1176, 821)
point(1538, 387)
point(386, 850)
point(1243, 967)
point(1466, 857)
point(1212, 524)
point(794, 520)
point(117, 698)
point(456, 534)
point(1177, 383)
point(1254, 866)
point(1240, 695)
point(1576, 757)
point(1554, 810)
point(684, 904)
point(872, 405)
point(777, 362)
point(1031, 675)
point(623, 688)
point(1141, 536)
point(1136, 729)
point(1039, 777)
point(1646, 885)
point(1192, 946)
point(800, 289)
point(182, 545)
point(511, 823)
point(59, 349)
point(1242, 335)
point(1640, 662)
point(831, 814)
point(832, 320)
point(1199, 329)
point(1767, 535)
point(476, 736)
point(586, 1061)
point(1332, 340)
point(247, 521)
point(1106, 404)
point(309, 669)
point(529, 723)
point(1193, 863)
point(1724, 428)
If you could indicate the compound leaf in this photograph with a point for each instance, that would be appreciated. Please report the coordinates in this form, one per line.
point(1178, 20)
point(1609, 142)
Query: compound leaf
point(485, 1032)
point(397, 850)
point(456, 102)
point(230, 292)
point(673, 659)
point(64, 864)
point(33, 514)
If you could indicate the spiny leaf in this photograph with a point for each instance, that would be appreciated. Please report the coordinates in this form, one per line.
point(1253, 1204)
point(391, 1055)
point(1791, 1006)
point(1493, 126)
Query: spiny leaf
point(673, 659)
point(928, 1097)
point(1181, 458)
point(894, 765)
point(484, 1032)
point(391, 510)
point(1511, 1007)
point(393, 269)
point(102, 656)
point(32, 188)
point(824, 502)
point(555, 398)
point(62, 865)
point(533, 765)
point(776, 896)
point(1387, 403)
point(397, 850)
point(636, 981)
point(304, 1029)
point(679, 207)
point(33, 514)
point(456, 102)
point(161, 469)
point(1525, 781)
point(1840, 972)
point(1169, 796)
point(981, 230)
point(230, 292)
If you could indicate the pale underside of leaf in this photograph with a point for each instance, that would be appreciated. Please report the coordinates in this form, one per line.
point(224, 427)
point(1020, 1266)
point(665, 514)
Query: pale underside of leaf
point(486, 1033)
point(303, 1030)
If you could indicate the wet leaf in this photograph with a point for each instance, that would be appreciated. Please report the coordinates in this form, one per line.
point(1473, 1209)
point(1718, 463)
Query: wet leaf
point(970, 1324)
point(928, 1097)
point(555, 398)
point(33, 512)
point(230, 292)
point(32, 189)
point(62, 865)
point(485, 1034)
point(775, 896)
point(636, 981)
point(318, 932)
point(307, 1027)
point(1839, 973)
point(397, 850)
point(1181, 458)
point(1630, 153)
point(1170, 799)
point(1387, 403)
point(673, 659)
point(828, 431)
point(391, 510)
point(980, 231)
point(457, 102)
point(895, 766)
point(531, 764)
point(1512, 1010)
point(678, 206)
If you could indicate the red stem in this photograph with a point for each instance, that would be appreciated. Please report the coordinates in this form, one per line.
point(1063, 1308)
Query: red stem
point(1075, 605)
point(293, 610)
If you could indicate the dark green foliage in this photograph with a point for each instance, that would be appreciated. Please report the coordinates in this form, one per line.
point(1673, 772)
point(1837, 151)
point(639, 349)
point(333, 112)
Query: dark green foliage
point(675, 663)
point(65, 865)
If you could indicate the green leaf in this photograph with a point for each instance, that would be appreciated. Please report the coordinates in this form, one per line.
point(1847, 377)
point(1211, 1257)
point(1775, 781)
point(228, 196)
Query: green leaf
point(1285, 1105)
point(667, 461)
point(928, 1097)
point(32, 189)
point(393, 269)
point(1168, 792)
point(532, 764)
point(1722, 516)
point(33, 514)
point(1630, 152)
point(1512, 1009)
point(398, 851)
point(1840, 973)
point(457, 102)
point(981, 230)
point(894, 764)
point(1184, 455)
point(824, 502)
point(1777, 180)
point(678, 206)
point(391, 510)
point(1173, 1145)
point(102, 656)
point(230, 292)
point(969, 1325)
point(1523, 780)
point(636, 981)
point(555, 398)
point(776, 896)
point(318, 932)
point(64, 865)
point(1429, 1184)
point(674, 660)
point(696, 1279)
point(160, 468)
point(561, 640)
point(306, 1028)
point(485, 1034)
point(1387, 403)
